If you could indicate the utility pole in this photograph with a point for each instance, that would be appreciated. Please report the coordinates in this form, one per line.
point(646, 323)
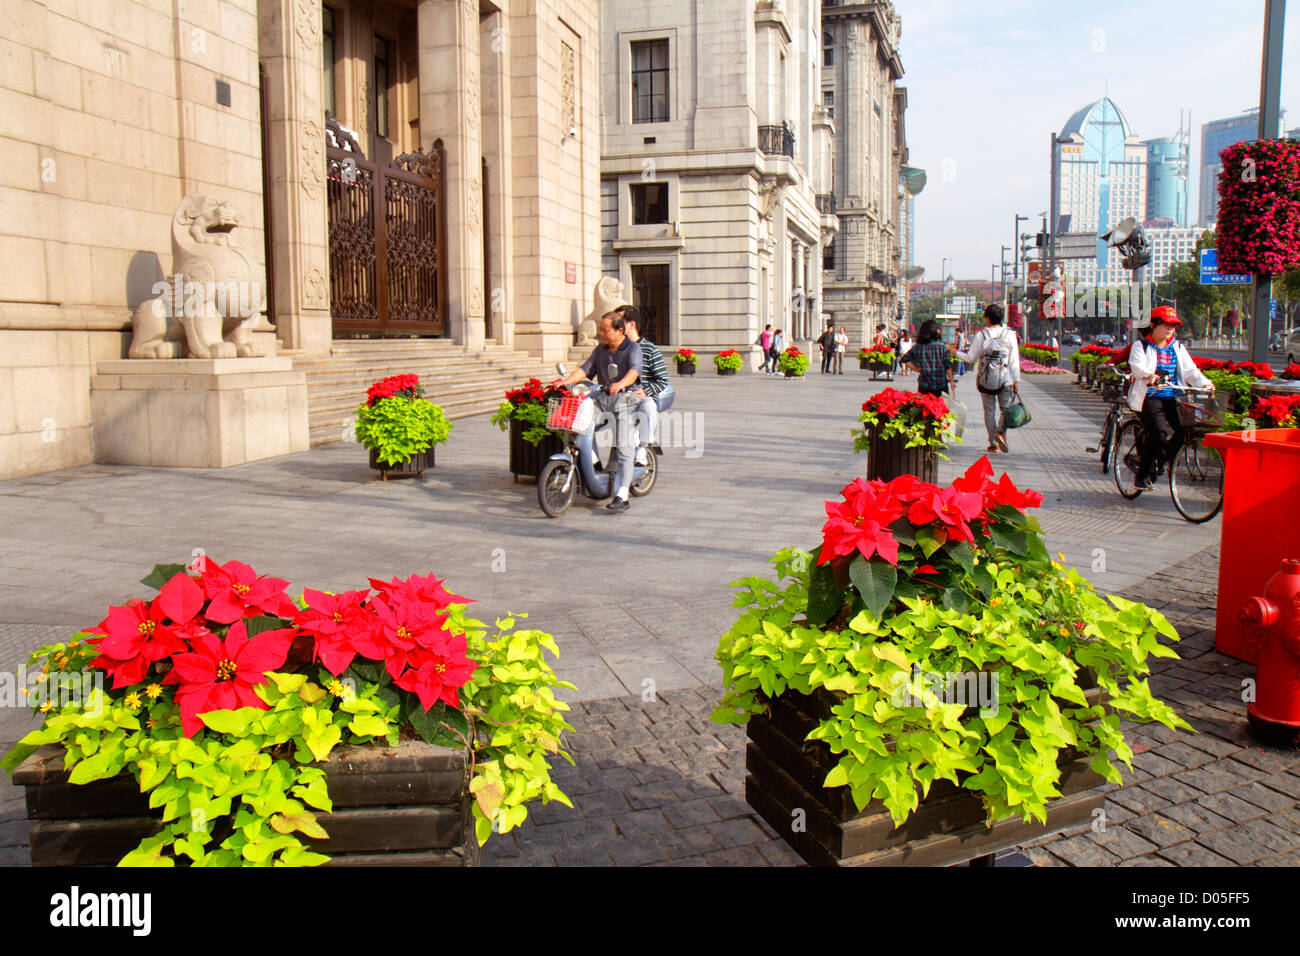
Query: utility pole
point(1015, 242)
point(1270, 88)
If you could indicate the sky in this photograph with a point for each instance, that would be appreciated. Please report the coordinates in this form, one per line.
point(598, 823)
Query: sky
point(989, 81)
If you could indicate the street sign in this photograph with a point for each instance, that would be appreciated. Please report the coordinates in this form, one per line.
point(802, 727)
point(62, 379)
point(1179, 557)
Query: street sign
point(1272, 309)
point(1076, 245)
point(1210, 274)
point(1034, 271)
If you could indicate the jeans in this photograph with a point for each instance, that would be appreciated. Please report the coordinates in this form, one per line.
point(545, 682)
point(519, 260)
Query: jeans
point(1164, 435)
point(839, 362)
point(826, 359)
point(994, 406)
point(647, 418)
point(768, 357)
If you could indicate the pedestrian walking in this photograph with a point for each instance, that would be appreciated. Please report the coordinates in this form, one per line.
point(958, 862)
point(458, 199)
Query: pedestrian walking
point(765, 343)
point(963, 343)
point(932, 360)
point(778, 346)
point(996, 358)
point(841, 346)
point(904, 346)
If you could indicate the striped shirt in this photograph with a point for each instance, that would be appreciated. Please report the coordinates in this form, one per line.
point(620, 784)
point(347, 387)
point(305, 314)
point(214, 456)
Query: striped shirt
point(654, 376)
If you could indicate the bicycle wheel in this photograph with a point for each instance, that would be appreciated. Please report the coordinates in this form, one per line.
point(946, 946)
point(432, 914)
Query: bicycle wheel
point(552, 493)
point(1127, 458)
point(1196, 482)
point(643, 485)
point(1107, 437)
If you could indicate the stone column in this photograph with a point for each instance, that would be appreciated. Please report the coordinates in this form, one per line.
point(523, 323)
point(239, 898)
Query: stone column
point(290, 49)
point(450, 111)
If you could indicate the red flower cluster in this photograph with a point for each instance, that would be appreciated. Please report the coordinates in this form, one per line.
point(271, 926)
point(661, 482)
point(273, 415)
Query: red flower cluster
point(1292, 371)
point(727, 353)
point(534, 392)
point(877, 350)
point(860, 523)
point(1282, 410)
point(405, 386)
point(891, 402)
point(684, 354)
point(1045, 348)
point(1102, 350)
point(792, 350)
point(1253, 369)
point(175, 638)
point(1259, 207)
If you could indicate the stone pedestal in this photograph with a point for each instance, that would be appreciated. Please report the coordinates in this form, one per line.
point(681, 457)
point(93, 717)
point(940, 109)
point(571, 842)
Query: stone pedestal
point(199, 413)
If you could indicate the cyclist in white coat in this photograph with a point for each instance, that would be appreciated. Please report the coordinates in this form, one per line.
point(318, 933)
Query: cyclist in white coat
point(1159, 361)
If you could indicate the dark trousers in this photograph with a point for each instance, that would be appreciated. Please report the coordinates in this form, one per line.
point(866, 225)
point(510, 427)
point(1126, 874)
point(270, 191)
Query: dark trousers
point(827, 355)
point(1164, 436)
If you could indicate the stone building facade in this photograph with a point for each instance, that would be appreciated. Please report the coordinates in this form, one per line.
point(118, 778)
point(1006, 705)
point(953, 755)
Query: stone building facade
point(714, 150)
point(112, 112)
point(864, 268)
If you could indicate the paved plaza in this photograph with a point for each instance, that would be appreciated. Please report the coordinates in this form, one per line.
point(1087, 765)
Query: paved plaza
point(637, 603)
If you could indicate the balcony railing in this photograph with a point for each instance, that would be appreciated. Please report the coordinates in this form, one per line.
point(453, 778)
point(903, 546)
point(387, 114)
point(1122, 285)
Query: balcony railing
point(826, 204)
point(776, 140)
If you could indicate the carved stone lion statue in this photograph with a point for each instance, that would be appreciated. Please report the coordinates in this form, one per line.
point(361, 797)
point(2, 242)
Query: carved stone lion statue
point(215, 295)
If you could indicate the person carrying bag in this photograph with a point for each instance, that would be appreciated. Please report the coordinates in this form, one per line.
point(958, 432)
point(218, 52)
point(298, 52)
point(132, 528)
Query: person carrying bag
point(996, 356)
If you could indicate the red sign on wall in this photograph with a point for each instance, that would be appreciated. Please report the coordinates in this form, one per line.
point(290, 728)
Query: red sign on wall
point(570, 272)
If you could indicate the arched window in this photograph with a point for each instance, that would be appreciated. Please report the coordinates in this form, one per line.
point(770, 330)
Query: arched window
point(828, 48)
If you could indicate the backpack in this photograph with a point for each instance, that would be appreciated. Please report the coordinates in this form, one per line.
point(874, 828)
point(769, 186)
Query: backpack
point(993, 372)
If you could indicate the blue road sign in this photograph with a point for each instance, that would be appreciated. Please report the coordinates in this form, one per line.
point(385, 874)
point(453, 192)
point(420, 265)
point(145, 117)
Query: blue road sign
point(1210, 274)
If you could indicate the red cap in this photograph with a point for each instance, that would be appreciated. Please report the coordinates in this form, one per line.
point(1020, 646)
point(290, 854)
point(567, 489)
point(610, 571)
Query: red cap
point(1165, 314)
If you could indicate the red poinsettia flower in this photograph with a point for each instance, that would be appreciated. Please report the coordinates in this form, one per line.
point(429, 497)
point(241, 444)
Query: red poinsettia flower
point(951, 509)
point(237, 591)
point(333, 620)
point(221, 675)
point(1279, 409)
point(861, 523)
point(438, 671)
point(1006, 493)
point(137, 635)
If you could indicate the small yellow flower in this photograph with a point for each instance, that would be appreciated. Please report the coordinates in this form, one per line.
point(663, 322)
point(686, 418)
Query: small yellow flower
point(153, 690)
point(995, 602)
point(335, 687)
point(47, 707)
point(1064, 632)
point(151, 723)
point(133, 700)
point(75, 644)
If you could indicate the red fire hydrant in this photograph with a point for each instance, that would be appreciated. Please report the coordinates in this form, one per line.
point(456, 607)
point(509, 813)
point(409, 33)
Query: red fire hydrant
point(1272, 623)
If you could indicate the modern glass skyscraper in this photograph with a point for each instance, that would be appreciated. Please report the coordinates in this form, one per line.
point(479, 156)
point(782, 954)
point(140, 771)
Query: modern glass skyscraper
point(1167, 192)
point(1217, 136)
point(1101, 177)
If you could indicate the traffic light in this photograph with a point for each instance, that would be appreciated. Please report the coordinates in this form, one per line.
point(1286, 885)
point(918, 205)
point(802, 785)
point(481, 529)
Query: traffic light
point(1026, 245)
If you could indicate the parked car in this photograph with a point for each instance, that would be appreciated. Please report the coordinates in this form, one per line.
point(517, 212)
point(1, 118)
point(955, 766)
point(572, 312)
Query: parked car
point(1291, 346)
point(1072, 339)
point(1107, 340)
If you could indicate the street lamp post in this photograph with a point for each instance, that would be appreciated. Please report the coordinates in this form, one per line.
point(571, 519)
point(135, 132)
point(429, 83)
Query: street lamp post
point(943, 285)
point(1015, 245)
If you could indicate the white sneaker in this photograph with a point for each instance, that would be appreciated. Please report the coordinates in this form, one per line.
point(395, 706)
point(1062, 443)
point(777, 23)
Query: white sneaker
point(641, 457)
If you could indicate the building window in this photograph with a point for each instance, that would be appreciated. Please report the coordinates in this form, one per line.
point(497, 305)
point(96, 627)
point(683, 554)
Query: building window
point(650, 81)
point(327, 58)
point(828, 256)
point(828, 48)
point(381, 86)
point(649, 203)
point(650, 288)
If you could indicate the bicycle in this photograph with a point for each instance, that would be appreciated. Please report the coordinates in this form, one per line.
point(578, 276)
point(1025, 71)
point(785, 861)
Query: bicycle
point(1195, 472)
point(1116, 414)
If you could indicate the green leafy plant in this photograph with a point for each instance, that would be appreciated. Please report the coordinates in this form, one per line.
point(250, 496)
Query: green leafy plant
point(227, 696)
point(793, 361)
point(922, 419)
point(687, 355)
point(397, 421)
point(728, 359)
point(913, 580)
point(529, 405)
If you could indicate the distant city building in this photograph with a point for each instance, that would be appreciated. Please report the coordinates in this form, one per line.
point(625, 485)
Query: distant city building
point(1101, 179)
point(1167, 180)
point(1293, 133)
point(1216, 136)
point(1170, 245)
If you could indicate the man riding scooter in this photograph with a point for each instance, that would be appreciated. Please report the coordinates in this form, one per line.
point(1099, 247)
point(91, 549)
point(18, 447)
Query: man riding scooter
point(614, 364)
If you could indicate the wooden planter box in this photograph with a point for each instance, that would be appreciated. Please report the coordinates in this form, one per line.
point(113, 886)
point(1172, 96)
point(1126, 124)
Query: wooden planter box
point(785, 774)
point(415, 465)
point(685, 368)
point(726, 371)
point(407, 805)
point(888, 458)
point(527, 459)
point(878, 370)
point(793, 374)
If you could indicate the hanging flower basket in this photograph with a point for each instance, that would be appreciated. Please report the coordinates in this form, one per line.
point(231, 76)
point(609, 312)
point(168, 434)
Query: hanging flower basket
point(1259, 207)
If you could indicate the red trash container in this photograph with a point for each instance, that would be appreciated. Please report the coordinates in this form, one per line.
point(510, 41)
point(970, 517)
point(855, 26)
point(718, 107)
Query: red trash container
point(1261, 522)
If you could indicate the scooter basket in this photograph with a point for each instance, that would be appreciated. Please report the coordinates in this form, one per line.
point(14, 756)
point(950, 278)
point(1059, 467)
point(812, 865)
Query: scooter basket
point(572, 414)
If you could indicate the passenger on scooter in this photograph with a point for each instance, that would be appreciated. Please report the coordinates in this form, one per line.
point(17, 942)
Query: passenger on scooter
point(653, 383)
point(615, 364)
